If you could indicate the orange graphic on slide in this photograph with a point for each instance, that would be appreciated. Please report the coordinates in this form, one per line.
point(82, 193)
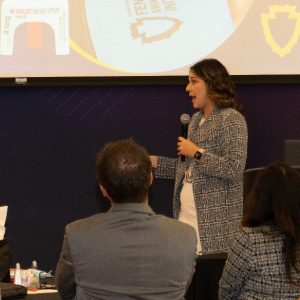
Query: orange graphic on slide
point(139, 29)
point(34, 35)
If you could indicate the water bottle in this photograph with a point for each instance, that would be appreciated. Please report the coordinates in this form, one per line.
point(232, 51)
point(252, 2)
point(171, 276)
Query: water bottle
point(18, 279)
point(34, 265)
point(34, 277)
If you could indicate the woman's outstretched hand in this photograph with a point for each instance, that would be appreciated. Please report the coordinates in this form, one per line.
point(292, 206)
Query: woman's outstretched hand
point(153, 161)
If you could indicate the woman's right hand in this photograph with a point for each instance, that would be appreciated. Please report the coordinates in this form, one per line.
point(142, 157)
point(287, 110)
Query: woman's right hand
point(153, 161)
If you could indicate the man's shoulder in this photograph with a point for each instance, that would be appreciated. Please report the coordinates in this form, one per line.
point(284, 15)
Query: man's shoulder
point(85, 223)
point(173, 225)
point(162, 225)
point(173, 222)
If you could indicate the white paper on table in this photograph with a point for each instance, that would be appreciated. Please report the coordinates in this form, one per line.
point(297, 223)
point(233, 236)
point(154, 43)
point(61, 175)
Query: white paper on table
point(3, 215)
point(46, 291)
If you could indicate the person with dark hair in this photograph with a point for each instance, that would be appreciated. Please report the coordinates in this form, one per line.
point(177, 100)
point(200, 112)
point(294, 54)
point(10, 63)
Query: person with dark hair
point(208, 191)
point(264, 261)
point(128, 252)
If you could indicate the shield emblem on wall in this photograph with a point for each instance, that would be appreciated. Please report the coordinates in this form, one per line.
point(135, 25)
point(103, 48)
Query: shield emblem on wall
point(291, 13)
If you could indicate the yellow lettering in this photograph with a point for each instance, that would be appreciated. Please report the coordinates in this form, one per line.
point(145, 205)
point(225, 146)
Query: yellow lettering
point(169, 5)
point(155, 6)
point(140, 7)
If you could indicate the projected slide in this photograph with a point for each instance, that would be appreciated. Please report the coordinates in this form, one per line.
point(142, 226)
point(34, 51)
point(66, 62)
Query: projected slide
point(45, 38)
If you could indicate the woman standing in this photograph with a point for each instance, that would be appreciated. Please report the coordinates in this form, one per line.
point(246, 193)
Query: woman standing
point(208, 191)
point(264, 261)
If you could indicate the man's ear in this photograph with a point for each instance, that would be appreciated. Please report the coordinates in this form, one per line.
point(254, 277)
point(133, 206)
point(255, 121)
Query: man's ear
point(103, 191)
point(151, 179)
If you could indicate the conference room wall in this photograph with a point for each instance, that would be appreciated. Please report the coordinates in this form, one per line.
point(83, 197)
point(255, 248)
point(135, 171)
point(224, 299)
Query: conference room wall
point(49, 137)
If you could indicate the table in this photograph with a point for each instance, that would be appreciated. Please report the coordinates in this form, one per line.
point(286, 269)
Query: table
point(205, 283)
point(8, 290)
point(43, 295)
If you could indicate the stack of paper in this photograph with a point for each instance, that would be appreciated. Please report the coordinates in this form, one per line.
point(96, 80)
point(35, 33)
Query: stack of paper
point(3, 214)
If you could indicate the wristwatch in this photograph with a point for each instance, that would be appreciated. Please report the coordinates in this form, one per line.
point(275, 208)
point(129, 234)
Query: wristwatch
point(198, 155)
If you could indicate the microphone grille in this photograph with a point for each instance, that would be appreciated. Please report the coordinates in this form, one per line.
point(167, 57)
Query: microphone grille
point(185, 119)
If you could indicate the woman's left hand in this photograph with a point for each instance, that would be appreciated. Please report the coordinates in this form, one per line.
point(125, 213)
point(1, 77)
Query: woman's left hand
point(186, 147)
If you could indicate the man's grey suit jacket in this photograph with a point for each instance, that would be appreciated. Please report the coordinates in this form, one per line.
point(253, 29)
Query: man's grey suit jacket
point(127, 253)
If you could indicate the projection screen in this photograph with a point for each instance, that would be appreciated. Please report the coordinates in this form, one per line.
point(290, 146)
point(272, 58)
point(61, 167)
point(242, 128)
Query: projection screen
point(61, 38)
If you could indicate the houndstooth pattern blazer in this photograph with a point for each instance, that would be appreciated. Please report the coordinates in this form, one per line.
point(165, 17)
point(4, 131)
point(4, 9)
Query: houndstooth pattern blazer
point(255, 268)
point(217, 178)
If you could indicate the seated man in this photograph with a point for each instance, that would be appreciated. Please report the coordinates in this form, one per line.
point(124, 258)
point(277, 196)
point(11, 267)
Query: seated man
point(128, 252)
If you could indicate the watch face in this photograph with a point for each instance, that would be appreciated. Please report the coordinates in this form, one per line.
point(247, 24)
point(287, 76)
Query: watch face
point(198, 155)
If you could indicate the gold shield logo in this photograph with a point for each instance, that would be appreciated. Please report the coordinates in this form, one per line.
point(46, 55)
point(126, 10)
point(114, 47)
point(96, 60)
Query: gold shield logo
point(169, 25)
point(274, 10)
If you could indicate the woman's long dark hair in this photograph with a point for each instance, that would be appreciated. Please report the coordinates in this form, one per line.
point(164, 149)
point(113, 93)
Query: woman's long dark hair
point(220, 87)
point(275, 200)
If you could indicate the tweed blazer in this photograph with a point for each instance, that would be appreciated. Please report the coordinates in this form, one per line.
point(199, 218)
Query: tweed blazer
point(217, 178)
point(255, 267)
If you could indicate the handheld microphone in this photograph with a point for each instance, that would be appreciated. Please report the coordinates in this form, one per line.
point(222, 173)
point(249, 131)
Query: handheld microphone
point(184, 120)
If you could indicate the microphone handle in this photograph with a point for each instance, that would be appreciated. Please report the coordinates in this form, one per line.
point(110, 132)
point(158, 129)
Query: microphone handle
point(184, 133)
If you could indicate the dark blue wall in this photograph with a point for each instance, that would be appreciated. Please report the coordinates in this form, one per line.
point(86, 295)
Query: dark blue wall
point(49, 137)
